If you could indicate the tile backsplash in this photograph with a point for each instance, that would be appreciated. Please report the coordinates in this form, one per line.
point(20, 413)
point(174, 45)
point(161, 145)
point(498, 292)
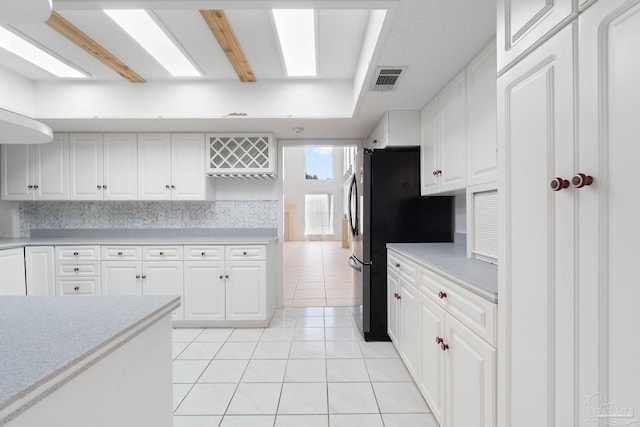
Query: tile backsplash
point(107, 214)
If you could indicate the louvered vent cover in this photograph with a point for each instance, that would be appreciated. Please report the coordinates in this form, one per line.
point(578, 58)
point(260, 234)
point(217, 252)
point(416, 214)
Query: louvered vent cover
point(387, 78)
point(485, 226)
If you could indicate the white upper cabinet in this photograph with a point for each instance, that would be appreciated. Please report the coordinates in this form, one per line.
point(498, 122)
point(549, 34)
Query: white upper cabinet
point(103, 166)
point(187, 166)
point(120, 166)
point(524, 23)
point(36, 172)
point(444, 140)
point(429, 140)
point(482, 156)
point(397, 128)
point(453, 148)
point(86, 166)
point(171, 166)
point(154, 166)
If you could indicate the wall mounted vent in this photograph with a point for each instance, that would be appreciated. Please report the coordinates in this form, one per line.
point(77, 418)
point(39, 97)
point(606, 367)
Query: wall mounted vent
point(387, 78)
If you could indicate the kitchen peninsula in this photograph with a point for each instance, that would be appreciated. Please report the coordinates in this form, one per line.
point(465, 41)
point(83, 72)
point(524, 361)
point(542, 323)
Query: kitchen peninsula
point(54, 349)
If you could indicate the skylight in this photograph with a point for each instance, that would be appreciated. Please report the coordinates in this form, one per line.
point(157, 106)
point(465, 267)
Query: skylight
point(38, 57)
point(297, 34)
point(148, 34)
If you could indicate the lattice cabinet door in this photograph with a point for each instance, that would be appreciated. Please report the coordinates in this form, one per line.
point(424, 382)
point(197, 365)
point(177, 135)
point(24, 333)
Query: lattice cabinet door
point(246, 153)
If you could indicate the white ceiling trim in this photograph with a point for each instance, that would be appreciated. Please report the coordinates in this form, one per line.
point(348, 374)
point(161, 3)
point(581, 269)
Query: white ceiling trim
point(222, 4)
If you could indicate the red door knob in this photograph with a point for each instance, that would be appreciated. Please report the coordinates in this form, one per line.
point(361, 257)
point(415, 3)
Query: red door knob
point(558, 184)
point(580, 180)
point(439, 340)
point(442, 295)
point(444, 346)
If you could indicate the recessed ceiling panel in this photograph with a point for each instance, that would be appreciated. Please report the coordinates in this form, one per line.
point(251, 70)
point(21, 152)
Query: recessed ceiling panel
point(340, 36)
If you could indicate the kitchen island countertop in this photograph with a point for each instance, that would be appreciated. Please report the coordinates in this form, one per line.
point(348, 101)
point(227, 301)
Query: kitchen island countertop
point(450, 261)
point(45, 339)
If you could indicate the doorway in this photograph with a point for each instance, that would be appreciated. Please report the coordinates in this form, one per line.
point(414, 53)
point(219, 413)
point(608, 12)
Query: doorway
point(315, 182)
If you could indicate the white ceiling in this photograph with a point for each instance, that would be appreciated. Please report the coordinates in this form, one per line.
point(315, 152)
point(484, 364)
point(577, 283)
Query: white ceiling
point(434, 38)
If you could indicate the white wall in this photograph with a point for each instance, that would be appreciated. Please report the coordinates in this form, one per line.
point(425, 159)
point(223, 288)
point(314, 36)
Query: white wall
point(16, 93)
point(295, 186)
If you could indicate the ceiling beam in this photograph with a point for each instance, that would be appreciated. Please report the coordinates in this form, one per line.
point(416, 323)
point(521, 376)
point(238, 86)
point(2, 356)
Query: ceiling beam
point(221, 29)
point(76, 36)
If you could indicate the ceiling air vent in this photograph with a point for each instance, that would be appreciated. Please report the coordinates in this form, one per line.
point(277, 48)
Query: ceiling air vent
point(387, 78)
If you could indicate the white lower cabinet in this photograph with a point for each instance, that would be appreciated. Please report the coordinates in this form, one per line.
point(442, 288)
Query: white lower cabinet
point(12, 275)
point(122, 277)
point(218, 285)
point(164, 278)
point(204, 290)
point(40, 270)
point(431, 370)
point(246, 290)
point(453, 366)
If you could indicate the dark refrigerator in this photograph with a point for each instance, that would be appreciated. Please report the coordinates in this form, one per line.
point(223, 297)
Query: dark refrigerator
point(386, 207)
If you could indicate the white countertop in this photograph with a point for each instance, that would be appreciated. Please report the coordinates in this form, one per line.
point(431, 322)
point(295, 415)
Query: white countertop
point(143, 237)
point(42, 338)
point(450, 261)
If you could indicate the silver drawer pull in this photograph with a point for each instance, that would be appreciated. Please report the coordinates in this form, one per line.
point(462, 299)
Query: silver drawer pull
point(76, 254)
point(203, 253)
point(119, 253)
point(76, 288)
point(76, 269)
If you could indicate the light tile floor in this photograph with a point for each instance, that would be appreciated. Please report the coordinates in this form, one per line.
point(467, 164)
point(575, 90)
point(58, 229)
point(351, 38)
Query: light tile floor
point(308, 368)
point(316, 274)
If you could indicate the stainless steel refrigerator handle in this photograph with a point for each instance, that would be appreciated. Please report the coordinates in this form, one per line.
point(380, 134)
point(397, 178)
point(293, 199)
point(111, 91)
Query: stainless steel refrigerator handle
point(360, 261)
point(353, 263)
point(353, 222)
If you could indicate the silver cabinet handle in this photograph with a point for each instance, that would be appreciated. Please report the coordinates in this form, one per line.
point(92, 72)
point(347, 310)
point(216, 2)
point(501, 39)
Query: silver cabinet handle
point(137, 276)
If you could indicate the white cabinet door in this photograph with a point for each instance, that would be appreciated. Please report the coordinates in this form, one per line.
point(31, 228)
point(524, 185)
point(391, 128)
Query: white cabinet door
point(470, 373)
point(164, 278)
point(120, 166)
point(609, 67)
point(408, 326)
point(122, 278)
point(536, 313)
point(188, 166)
point(393, 290)
point(40, 270)
point(482, 156)
point(204, 290)
point(522, 23)
point(154, 166)
point(453, 149)
point(12, 274)
point(429, 140)
point(431, 369)
point(246, 290)
point(51, 169)
point(17, 172)
point(85, 166)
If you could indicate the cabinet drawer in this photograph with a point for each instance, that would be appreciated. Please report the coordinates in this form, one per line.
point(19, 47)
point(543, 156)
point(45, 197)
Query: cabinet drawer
point(401, 265)
point(475, 312)
point(84, 286)
point(160, 253)
point(78, 269)
point(81, 253)
point(246, 252)
point(124, 253)
point(195, 253)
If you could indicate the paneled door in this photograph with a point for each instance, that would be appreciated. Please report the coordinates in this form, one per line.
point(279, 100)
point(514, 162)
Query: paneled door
point(609, 230)
point(537, 288)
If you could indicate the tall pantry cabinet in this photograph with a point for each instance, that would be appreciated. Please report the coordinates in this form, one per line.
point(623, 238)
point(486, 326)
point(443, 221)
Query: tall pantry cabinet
point(567, 132)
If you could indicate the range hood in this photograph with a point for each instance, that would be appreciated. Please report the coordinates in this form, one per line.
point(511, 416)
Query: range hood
point(18, 129)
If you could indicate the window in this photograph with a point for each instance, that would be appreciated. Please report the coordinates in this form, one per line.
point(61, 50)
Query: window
point(318, 214)
point(318, 163)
